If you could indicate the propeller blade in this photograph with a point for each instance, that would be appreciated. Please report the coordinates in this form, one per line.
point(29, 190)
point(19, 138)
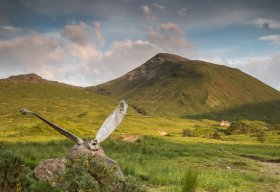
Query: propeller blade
point(112, 122)
point(56, 127)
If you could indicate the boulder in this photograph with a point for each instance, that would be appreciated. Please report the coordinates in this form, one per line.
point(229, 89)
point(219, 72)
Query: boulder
point(48, 169)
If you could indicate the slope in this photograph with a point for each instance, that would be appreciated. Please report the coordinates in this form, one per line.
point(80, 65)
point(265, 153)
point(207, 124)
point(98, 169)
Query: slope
point(171, 85)
point(73, 108)
point(58, 102)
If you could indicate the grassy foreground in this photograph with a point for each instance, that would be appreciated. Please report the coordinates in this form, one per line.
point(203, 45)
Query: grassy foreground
point(161, 162)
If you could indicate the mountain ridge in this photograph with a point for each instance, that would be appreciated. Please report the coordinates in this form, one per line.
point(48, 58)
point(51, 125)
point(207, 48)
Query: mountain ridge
point(33, 78)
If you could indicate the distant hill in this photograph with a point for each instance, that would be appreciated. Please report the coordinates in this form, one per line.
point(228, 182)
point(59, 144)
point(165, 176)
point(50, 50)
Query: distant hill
point(77, 110)
point(25, 77)
point(31, 78)
point(72, 107)
point(172, 85)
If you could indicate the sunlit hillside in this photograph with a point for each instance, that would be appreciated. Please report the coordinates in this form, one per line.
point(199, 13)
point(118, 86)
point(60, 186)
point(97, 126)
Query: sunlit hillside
point(172, 85)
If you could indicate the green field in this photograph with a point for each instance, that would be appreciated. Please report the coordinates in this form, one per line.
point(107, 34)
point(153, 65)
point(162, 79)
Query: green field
point(159, 162)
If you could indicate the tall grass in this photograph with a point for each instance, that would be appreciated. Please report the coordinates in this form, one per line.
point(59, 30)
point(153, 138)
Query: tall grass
point(189, 183)
point(161, 163)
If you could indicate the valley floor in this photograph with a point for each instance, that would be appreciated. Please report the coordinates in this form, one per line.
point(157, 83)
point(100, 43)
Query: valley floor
point(162, 162)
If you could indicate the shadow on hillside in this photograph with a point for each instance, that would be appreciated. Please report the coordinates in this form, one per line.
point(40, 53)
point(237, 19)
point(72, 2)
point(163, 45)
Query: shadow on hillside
point(268, 112)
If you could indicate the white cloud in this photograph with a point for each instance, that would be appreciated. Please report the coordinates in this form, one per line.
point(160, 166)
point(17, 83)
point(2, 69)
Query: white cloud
point(31, 53)
point(77, 33)
point(98, 33)
point(83, 34)
point(18, 51)
point(264, 68)
point(71, 56)
point(8, 27)
point(159, 6)
point(271, 38)
point(182, 12)
point(265, 23)
point(169, 37)
point(171, 27)
point(147, 12)
point(9, 31)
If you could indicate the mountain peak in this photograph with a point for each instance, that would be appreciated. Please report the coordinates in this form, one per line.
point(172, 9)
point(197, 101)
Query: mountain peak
point(31, 77)
point(149, 68)
point(167, 57)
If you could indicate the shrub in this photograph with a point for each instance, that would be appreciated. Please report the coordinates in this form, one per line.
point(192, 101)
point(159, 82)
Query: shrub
point(92, 174)
point(187, 133)
point(42, 186)
point(274, 127)
point(261, 136)
point(244, 127)
point(216, 135)
point(14, 175)
point(85, 174)
point(140, 110)
point(204, 132)
point(189, 183)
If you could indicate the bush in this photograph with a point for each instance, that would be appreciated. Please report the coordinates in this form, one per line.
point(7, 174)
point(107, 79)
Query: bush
point(140, 110)
point(92, 174)
point(261, 136)
point(87, 174)
point(216, 135)
point(14, 175)
point(187, 133)
point(274, 127)
point(189, 183)
point(42, 186)
point(204, 132)
point(244, 127)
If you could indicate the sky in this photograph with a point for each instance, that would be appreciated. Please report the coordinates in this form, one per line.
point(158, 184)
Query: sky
point(89, 42)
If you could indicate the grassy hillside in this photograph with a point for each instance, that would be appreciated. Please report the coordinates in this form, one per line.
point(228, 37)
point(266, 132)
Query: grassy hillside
point(73, 108)
point(53, 100)
point(160, 162)
point(174, 86)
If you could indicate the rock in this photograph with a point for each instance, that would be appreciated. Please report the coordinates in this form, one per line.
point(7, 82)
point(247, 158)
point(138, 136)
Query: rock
point(78, 150)
point(163, 133)
point(131, 139)
point(228, 168)
point(225, 123)
point(48, 169)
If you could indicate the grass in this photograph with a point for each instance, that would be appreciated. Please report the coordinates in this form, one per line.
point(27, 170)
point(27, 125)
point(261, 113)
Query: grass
point(160, 162)
point(189, 181)
point(163, 168)
point(194, 89)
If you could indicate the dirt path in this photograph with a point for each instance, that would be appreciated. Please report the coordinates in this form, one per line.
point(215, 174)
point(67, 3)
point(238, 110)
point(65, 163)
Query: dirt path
point(271, 167)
